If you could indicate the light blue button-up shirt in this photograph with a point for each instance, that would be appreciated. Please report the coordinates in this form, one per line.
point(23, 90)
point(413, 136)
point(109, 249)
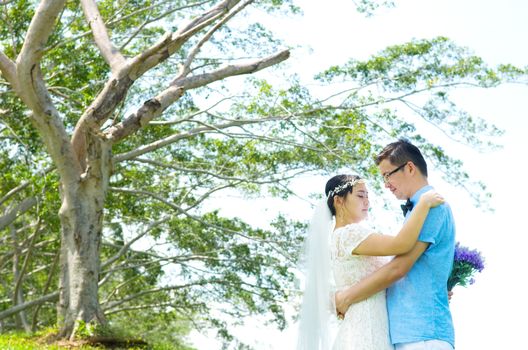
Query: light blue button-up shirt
point(418, 303)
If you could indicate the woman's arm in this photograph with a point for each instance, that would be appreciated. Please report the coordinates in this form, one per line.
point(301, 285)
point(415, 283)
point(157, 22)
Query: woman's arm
point(404, 241)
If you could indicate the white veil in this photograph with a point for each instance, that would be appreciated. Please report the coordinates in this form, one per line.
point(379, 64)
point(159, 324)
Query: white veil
point(318, 302)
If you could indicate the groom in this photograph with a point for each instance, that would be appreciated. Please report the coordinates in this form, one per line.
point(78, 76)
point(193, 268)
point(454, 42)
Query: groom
point(416, 282)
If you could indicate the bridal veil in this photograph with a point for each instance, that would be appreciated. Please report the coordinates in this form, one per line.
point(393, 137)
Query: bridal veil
point(318, 299)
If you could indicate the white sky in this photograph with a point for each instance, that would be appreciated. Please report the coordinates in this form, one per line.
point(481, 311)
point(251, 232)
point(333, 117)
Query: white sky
point(489, 314)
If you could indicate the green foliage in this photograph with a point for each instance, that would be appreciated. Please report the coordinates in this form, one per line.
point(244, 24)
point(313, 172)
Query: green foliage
point(165, 330)
point(248, 139)
point(418, 65)
point(417, 78)
point(86, 329)
point(368, 7)
point(284, 6)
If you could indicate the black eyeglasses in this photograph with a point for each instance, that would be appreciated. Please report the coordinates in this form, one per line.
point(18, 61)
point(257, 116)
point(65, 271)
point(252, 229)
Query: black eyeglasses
point(387, 175)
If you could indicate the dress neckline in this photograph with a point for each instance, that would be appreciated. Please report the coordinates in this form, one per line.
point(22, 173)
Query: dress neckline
point(347, 225)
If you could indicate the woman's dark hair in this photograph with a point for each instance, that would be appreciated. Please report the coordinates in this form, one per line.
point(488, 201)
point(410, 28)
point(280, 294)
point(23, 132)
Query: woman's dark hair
point(338, 183)
point(403, 151)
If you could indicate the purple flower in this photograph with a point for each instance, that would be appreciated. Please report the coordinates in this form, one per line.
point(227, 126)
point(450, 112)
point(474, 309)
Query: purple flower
point(473, 257)
point(466, 263)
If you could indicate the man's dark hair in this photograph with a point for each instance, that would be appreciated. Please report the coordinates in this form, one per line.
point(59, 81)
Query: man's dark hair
point(403, 151)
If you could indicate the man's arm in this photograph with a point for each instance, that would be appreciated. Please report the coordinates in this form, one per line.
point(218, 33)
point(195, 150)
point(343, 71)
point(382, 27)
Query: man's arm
point(379, 280)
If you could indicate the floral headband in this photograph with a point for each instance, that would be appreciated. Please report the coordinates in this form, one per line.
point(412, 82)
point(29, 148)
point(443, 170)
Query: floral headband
point(340, 188)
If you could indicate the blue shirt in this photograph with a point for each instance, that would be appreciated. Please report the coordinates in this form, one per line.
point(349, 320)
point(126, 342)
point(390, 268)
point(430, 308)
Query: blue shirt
point(417, 304)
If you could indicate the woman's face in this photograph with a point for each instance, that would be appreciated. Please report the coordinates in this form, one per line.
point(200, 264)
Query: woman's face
point(356, 204)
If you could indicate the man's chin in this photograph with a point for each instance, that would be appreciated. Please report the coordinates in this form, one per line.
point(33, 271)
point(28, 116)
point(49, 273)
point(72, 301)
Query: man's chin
point(399, 196)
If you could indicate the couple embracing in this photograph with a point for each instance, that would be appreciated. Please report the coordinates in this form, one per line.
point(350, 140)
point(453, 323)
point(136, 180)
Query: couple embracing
point(383, 304)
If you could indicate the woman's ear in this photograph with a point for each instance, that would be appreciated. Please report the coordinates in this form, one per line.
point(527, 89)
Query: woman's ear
point(338, 201)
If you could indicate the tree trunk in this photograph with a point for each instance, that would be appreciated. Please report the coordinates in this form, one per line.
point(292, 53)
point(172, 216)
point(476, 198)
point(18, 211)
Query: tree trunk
point(81, 216)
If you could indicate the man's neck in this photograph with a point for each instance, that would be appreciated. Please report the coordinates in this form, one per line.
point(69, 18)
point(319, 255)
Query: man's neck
point(417, 185)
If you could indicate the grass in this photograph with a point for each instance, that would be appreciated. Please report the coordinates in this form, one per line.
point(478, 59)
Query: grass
point(22, 341)
point(26, 342)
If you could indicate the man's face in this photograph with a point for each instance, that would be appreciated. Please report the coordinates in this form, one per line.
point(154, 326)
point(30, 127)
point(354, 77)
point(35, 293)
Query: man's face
point(395, 178)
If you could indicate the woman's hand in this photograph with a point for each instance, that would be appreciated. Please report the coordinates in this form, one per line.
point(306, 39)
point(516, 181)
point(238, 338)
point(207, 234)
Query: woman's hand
point(341, 305)
point(432, 198)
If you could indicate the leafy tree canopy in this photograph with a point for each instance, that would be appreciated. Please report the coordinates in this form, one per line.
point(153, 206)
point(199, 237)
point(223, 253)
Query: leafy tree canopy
point(168, 258)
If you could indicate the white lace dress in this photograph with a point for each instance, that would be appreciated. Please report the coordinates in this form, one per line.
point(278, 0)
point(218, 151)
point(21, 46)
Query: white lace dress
point(365, 325)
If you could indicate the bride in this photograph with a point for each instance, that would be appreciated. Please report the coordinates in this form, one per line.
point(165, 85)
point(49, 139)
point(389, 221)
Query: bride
point(340, 252)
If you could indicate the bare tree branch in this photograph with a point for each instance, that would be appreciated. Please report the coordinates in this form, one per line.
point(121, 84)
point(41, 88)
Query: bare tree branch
point(39, 30)
point(8, 70)
point(10, 216)
point(172, 42)
point(218, 175)
point(28, 304)
point(125, 247)
point(174, 138)
point(14, 191)
point(32, 90)
point(111, 23)
point(153, 6)
point(116, 88)
point(231, 70)
point(109, 52)
point(152, 20)
point(7, 256)
point(22, 271)
point(200, 220)
point(22, 186)
point(150, 306)
point(154, 107)
point(151, 291)
point(150, 194)
point(46, 288)
point(185, 69)
point(192, 115)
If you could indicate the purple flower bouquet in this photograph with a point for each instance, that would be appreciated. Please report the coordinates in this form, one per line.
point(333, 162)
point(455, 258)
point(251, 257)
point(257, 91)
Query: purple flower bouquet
point(466, 263)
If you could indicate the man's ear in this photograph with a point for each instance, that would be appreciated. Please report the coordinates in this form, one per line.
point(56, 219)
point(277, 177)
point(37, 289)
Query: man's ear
point(412, 167)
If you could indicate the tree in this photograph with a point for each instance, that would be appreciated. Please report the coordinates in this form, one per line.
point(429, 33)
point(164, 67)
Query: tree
point(83, 157)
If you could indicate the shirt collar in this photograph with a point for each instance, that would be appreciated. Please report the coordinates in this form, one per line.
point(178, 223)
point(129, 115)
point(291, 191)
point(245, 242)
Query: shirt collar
point(416, 196)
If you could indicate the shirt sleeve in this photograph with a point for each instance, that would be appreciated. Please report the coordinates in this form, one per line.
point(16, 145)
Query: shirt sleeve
point(432, 226)
point(352, 236)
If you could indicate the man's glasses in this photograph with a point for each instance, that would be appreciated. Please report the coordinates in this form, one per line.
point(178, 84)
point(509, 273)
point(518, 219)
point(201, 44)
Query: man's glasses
point(388, 175)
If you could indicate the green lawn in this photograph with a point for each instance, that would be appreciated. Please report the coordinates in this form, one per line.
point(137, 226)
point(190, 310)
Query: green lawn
point(24, 342)
point(19, 341)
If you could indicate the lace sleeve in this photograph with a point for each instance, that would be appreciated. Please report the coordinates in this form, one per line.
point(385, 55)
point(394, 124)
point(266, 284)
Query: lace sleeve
point(351, 237)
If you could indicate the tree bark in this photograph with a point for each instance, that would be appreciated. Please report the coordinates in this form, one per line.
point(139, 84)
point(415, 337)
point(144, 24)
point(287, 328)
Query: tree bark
point(81, 216)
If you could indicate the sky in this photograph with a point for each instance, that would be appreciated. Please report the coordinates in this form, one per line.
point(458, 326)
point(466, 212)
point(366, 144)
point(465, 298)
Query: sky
point(488, 314)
